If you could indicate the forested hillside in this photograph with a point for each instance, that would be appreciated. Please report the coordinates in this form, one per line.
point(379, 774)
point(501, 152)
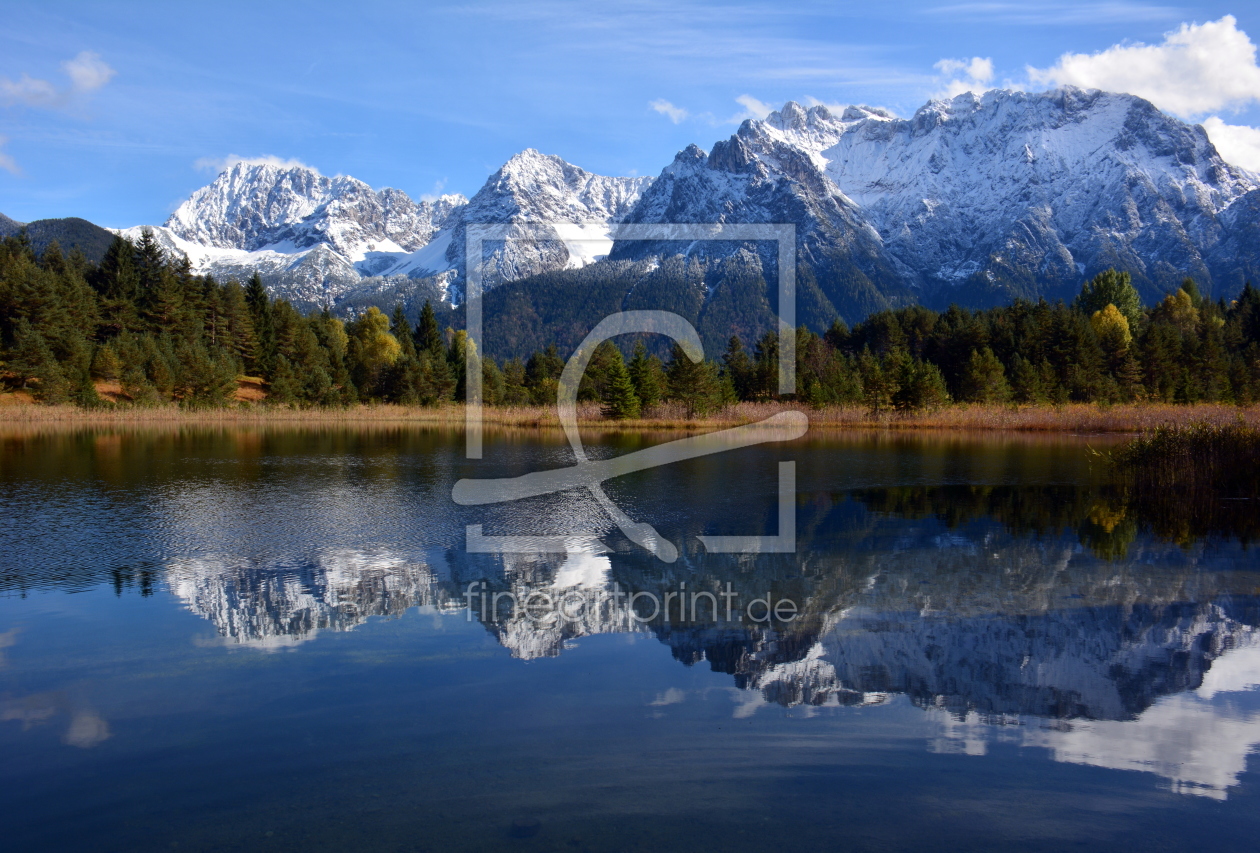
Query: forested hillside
point(141, 329)
point(71, 233)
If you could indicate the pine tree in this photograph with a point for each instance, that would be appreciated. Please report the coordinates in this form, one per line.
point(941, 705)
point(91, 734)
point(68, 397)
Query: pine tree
point(692, 383)
point(542, 375)
point(1129, 378)
point(618, 396)
point(401, 329)
point(238, 335)
point(203, 380)
point(648, 375)
point(263, 359)
point(118, 284)
point(462, 357)
point(916, 384)
point(878, 386)
point(765, 383)
point(837, 336)
point(985, 379)
point(83, 394)
point(33, 360)
point(284, 387)
point(106, 364)
point(1026, 382)
point(493, 384)
point(739, 368)
point(514, 391)
point(595, 379)
point(428, 335)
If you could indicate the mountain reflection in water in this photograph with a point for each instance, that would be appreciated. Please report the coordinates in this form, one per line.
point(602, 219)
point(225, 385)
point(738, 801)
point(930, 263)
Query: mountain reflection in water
point(1140, 665)
point(1003, 589)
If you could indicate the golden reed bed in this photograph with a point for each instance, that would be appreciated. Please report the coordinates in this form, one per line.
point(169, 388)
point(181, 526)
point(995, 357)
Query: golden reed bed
point(1076, 418)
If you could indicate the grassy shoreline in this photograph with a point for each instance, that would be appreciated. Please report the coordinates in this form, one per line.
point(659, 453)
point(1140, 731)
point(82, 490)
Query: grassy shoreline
point(1076, 418)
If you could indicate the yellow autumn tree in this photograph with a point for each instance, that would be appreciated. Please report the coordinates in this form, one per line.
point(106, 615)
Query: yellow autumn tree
point(1112, 329)
point(1178, 309)
point(373, 350)
point(378, 348)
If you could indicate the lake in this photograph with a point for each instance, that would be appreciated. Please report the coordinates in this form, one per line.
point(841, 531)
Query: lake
point(278, 639)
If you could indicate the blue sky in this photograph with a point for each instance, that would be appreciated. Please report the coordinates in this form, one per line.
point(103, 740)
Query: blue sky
point(112, 111)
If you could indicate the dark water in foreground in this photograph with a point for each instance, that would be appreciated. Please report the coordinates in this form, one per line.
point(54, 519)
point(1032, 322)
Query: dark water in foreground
point(248, 640)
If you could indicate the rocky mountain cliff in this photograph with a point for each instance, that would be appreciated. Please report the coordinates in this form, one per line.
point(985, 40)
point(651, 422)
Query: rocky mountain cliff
point(976, 200)
point(319, 241)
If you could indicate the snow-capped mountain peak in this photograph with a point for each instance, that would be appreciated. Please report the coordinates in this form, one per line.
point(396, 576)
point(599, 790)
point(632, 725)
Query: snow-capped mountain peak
point(252, 206)
point(977, 199)
point(316, 239)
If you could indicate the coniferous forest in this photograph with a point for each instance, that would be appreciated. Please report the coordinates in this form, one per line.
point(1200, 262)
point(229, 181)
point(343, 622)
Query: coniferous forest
point(141, 329)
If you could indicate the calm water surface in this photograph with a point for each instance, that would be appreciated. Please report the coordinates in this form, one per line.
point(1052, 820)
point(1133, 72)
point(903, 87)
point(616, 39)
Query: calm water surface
point(262, 640)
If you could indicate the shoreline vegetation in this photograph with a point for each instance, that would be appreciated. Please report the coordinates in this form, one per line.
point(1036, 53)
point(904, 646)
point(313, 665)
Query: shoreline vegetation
point(1188, 482)
point(1084, 418)
point(139, 338)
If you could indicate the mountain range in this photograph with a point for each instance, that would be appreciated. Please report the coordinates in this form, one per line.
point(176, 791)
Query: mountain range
point(976, 200)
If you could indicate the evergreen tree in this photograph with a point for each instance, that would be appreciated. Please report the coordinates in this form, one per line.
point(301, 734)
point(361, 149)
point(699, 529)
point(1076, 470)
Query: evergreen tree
point(401, 329)
point(118, 284)
point(878, 386)
point(33, 360)
point(985, 379)
point(514, 391)
point(106, 364)
point(1027, 385)
point(542, 375)
point(837, 336)
point(618, 395)
point(428, 335)
point(238, 335)
point(648, 376)
point(594, 382)
point(765, 382)
point(694, 384)
point(493, 383)
point(739, 368)
point(916, 385)
point(262, 361)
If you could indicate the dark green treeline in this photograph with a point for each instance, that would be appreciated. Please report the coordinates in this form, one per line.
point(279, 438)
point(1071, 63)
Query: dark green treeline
point(159, 333)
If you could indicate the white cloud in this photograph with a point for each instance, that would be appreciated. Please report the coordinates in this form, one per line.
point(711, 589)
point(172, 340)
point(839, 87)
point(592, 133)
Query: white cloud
point(835, 109)
point(87, 729)
point(665, 108)
point(30, 91)
point(964, 75)
point(753, 108)
point(672, 696)
point(1196, 70)
point(6, 161)
point(222, 164)
point(87, 73)
point(436, 193)
point(1236, 143)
